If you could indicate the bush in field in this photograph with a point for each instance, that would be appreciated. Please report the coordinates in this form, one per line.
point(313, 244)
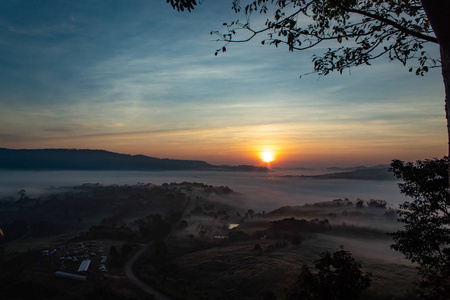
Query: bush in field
point(338, 277)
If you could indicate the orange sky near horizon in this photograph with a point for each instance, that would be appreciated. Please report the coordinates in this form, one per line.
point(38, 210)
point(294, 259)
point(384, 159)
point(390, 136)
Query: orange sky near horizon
point(342, 145)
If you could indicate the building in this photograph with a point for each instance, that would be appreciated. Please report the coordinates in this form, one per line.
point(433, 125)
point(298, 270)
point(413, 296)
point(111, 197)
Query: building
point(70, 275)
point(84, 266)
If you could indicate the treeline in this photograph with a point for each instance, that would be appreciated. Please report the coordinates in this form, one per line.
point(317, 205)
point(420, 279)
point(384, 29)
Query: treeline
point(78, 208)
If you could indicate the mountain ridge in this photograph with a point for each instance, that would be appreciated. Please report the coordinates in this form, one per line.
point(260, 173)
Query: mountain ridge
point(88, 159)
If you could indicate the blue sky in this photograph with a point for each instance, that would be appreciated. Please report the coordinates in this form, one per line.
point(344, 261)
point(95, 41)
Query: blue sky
point(138, 77)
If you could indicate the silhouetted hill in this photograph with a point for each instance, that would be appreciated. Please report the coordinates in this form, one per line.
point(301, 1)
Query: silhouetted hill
point(83, 159)
point(339, 169)
point(242, 168)
point(375, 173)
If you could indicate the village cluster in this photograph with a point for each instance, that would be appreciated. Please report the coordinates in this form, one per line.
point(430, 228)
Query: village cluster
point(75, 261)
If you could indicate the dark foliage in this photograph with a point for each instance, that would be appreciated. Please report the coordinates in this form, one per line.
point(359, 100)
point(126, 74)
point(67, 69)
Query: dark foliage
point(126, 249)
point(237, 235)
point(426, 236)
point(338, 277)
point(359, 203)
point(109, 232)
point(154, 227)
point(295, 225)
point(181, 5)
point(376, 203)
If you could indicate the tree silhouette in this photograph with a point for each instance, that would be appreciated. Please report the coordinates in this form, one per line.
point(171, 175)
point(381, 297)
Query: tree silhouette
point(338, 277)
point(425, 238)
point(22, 194)
point(355, 32)
point(154, 227)
point(181, 5)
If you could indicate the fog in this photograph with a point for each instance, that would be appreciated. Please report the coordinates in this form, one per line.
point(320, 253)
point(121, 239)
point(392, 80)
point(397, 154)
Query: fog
point(257, 190)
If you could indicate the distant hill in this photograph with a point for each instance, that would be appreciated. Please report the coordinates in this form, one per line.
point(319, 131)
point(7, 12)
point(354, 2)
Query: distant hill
point(295, 169)
point(338, 169)
point(374, 173)
point(84, 159)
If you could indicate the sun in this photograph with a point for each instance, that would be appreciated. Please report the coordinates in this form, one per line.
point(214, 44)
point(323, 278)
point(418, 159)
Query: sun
point(267, 156)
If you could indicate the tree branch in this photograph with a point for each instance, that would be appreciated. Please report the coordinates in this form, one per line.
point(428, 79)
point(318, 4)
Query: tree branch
point(395, 25)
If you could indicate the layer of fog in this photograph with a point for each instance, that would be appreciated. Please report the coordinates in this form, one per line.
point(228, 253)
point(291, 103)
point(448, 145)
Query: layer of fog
point(256, 190)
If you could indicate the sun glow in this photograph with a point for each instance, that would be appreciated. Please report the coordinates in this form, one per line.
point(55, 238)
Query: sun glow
point(267, 156)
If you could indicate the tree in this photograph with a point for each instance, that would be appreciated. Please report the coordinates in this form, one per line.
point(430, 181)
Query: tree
point(22, 194)
point(370, 29)
point(113, 252)
point(154, 227)
point(339, 276)
point(425, 238)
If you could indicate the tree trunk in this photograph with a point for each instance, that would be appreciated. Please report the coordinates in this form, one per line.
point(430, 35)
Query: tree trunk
point(438, 13)
point(445, 57)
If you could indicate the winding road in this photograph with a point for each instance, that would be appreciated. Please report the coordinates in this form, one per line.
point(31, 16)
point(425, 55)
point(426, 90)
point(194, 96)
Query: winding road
point(129, 272)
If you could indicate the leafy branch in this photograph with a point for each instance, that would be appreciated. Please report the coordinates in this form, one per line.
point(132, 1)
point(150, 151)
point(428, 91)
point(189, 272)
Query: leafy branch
point(371, 29)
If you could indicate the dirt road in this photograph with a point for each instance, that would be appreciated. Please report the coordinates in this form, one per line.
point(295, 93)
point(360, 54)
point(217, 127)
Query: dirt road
point(129, 272)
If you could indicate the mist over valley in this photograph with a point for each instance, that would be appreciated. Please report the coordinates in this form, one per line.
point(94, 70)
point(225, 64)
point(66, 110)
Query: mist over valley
point(264, 190)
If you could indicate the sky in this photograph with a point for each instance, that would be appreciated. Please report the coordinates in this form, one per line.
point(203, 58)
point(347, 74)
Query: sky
point(137, 77)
